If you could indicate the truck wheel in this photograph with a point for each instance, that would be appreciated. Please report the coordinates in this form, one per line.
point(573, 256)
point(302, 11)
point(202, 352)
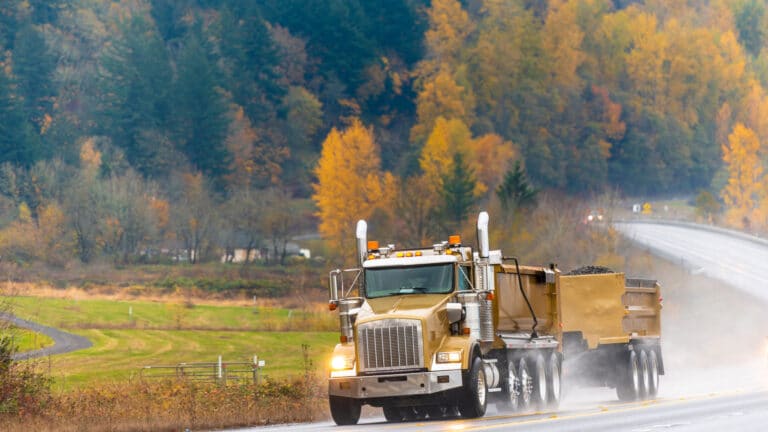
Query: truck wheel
point(645, 375)
point(392, 414)
point(526, 384)
point(554, 381)
point(475, 391)
point(345, 411)
point(653, 368)
point(628, 379)
point(540, 379)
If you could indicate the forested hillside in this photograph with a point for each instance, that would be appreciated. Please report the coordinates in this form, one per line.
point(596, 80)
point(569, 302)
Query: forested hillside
point(210, 124)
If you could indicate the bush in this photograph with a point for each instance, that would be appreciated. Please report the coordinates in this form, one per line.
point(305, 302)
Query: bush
point(23, 390)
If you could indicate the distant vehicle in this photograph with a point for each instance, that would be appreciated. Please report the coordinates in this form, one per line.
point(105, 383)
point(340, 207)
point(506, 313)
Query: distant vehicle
point(594, 216)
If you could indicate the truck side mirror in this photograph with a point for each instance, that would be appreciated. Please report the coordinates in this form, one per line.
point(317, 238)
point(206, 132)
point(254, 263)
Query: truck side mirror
point(334, 283)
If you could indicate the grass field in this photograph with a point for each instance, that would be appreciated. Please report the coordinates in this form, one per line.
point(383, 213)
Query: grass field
point(27, 340)
point(128, 335)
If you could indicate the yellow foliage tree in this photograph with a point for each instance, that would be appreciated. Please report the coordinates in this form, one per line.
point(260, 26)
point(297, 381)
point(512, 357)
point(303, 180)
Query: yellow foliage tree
point(562, 39)
point(436, 161)
point(489, 157)
point(350, 185)
point(745, 177)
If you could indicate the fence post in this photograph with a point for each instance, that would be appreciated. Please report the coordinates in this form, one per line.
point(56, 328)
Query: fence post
point(220, 372)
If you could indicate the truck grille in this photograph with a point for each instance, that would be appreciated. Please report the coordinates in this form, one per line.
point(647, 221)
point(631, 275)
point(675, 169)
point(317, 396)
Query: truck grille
point(390, 345)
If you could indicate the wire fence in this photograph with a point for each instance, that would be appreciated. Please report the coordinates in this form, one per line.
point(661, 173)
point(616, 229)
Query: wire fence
point(218, 371)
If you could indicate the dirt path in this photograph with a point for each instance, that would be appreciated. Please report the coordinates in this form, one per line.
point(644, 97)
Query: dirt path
point(63, 342)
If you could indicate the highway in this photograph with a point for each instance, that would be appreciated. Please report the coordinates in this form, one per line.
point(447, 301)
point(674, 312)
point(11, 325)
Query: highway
point(715, 348)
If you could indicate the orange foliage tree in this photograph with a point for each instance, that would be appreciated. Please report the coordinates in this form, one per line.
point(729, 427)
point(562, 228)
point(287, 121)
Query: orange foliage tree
point(350, 185)
point(745, 177)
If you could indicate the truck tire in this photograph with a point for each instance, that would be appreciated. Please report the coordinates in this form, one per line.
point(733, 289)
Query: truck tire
point(653, 368)
point(554, 380)
point(540, 379)
point(510, 395)
point(645, 375)
point(475, 398)
point(628, 379)
point(525, 384)
point(393, 414)
point(345, 411)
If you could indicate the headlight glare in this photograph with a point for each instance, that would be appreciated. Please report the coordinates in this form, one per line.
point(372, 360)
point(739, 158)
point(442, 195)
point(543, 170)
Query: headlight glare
point(342, 362)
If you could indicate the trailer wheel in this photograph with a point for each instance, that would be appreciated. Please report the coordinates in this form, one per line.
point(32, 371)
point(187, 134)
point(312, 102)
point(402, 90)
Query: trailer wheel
point(645, 375)
point(475, 398)
point(653, 367)
point(628, 379)
point(345, 411)
point(554, 380)
point(540, 381)
point(525, 384)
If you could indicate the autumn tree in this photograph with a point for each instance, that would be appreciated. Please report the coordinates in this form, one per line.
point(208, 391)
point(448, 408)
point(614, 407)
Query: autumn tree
point(745, 176)
point(350, 184)
point(193, 215)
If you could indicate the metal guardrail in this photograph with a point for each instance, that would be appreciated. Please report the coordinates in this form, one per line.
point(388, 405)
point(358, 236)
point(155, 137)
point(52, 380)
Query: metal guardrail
point(218, 371)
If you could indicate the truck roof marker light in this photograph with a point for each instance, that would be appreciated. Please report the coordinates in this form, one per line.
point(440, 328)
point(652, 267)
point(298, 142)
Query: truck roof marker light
point(454, 240)
point(399, 254)
point(371, 256)
point(373, 245)
point(408, 254)
point(418, 253)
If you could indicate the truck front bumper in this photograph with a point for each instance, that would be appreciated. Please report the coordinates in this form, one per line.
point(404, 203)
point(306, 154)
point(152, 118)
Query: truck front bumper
point(407, 384)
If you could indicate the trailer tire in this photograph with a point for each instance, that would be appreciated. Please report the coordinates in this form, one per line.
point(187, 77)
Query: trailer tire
point(628, 379)
point(645, 375)
point(525, 381)
point(344, 410)
point(475, 398)
point(653, 368)
point(554, 381)
point(540, 381)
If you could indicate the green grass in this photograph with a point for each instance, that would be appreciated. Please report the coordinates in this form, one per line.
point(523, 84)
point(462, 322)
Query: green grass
point(99, 314)
point(157, 333)
point(27, 340)
point(120, 354)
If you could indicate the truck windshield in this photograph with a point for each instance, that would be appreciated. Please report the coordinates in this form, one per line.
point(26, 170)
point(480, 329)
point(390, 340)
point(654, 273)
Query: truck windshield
point(427, 279)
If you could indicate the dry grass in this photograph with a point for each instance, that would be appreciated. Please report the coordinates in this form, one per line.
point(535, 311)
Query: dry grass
point(173, 406)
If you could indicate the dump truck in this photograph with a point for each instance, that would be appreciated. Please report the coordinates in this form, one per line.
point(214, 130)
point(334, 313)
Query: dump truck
point(445, 330)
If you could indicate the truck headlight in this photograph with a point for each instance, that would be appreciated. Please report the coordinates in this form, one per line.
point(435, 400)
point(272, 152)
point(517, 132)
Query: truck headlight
point(449, 357)
point(342, 362)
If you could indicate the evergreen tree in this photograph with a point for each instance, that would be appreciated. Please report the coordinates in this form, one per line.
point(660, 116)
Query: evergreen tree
point(201, 111)
point(134, 108)
point(515, 192)
point(19, 144)
point(250, 60)
point(33, 68)
point(458, 191)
